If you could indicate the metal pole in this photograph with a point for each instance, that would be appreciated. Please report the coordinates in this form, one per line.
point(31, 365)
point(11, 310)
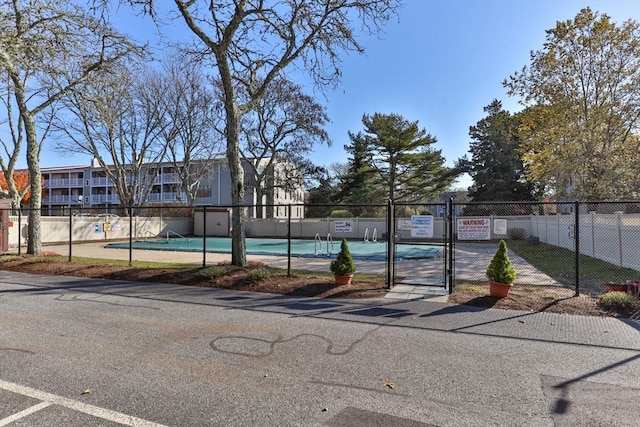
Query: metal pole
point(576, 234)
point(450, 244)
point(289, 241)
point(204, 236)
point(130, 236)
point(19, 231)
point(390, 244)
point(70, 233)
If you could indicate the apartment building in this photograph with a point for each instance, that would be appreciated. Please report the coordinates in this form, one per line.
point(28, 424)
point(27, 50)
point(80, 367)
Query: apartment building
point(74, 188)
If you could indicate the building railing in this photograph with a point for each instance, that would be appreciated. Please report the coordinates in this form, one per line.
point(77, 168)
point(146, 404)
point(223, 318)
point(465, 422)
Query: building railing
point(104, 198)
point(63, 182)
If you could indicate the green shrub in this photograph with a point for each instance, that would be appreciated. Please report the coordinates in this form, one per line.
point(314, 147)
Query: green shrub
point(500, 268)
point(516, 233)
point(344, 264)
point(259, 274)
point(613, 300)
point(212, 272)
point(341, 213)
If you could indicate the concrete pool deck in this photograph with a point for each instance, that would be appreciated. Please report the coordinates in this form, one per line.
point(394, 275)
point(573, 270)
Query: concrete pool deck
point(471, 261)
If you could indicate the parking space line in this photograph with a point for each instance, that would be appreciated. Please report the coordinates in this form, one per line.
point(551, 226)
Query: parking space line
point(22, 414)
point(49, 399)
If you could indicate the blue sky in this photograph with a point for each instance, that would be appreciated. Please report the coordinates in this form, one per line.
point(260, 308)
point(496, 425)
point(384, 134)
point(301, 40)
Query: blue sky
point(439, 63)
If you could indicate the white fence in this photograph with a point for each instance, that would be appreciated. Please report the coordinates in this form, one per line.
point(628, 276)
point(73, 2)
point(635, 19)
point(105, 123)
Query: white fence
point(55, 229)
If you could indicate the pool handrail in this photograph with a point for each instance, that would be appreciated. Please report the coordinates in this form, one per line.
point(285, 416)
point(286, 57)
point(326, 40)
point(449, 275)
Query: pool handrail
point(366, 235)
point(374, 238)
point(317, 241)
point(149, 233)
point(329, 245)
point(169, 233)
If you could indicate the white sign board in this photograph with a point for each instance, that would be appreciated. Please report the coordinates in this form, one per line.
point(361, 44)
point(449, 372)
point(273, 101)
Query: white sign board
point(422, 226)
point(342, 226)
point(474, 229)
point(404, 224)
point(500, 226)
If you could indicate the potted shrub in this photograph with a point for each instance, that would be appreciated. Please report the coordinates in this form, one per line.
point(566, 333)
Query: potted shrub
point(500, 272)
point(343, 266)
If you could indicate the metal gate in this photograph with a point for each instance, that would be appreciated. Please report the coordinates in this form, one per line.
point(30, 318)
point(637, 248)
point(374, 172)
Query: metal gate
point(420, 245)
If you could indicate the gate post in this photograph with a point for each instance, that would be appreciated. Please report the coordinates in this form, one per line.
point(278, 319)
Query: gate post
point(576, 234)
point(391, 231)
point(449, 245)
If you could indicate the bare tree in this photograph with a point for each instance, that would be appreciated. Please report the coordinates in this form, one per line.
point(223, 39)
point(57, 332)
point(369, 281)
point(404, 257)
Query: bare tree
point(278, 134)
point(251, 42)
point(116, 119)
point(48, 48)
point(188, 102)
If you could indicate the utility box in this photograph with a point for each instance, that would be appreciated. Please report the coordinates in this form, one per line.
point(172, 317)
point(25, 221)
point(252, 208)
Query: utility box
point(218, 221)
point(5, 207)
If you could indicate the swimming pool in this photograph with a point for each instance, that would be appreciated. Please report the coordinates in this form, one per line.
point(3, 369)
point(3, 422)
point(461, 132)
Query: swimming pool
point(376, 251)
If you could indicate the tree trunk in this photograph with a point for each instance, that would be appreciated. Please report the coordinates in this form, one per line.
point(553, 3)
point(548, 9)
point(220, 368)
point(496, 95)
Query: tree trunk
point(34, 238)
point(259, 206)
point(238, 245)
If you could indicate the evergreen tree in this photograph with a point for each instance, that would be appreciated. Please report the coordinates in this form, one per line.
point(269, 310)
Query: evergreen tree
point(321, 199)
point(357, 184)
point(496, 166)
point(407, 167)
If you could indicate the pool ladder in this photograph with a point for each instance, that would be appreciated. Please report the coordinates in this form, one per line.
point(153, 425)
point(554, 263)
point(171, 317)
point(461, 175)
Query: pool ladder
point(374, 237)
point(170, 233)
point(317, 245)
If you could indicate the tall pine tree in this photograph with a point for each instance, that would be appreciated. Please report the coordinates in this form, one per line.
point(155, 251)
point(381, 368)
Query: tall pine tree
point(357, 185)
point(496, 166)
point(407, 167)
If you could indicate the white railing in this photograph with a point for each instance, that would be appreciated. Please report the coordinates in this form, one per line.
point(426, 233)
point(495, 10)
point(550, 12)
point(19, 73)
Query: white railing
point(101, 182)
point(63, 182)
point(104, 198)
point(329, 245)
point(317, 244)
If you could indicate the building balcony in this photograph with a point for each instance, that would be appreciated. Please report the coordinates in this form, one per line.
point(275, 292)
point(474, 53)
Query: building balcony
point(101, 182)
point(170, 178)
point(60, 199)
point(63, 182)
point(174, 197)
point(99, 199)
point(167, 197)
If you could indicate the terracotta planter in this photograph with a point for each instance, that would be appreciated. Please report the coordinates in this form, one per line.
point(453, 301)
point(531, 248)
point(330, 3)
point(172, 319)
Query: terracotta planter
point(343, 280)
point(499, 290)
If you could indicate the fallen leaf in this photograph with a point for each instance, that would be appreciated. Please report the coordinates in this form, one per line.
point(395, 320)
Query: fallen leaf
point(389, 384)
point(87, 391)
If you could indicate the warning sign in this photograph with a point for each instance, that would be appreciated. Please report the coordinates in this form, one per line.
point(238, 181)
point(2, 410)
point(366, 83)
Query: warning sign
point(474, 229)
point(342, 227)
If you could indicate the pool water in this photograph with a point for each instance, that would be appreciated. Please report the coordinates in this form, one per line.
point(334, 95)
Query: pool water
point(362, 250)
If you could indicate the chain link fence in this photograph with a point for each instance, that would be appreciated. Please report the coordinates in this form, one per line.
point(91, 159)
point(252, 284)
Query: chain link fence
point(568, 247)
point(582, 247)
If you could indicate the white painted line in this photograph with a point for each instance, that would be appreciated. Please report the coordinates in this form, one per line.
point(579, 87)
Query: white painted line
point(95, 411)
point(24, 413)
